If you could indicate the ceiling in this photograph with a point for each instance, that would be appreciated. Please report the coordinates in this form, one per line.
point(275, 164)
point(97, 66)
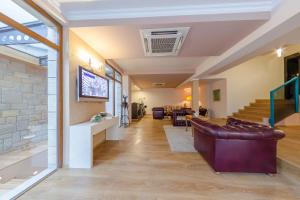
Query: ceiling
point(123, 44)
point(204, 38)
point(112, 27)
point(161, 65)
point(145, 81)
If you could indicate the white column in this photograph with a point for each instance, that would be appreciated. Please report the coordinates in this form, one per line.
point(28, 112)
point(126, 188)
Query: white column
point(195, 96)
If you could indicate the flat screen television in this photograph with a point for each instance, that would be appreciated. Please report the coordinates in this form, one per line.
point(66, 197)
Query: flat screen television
point(91, 86)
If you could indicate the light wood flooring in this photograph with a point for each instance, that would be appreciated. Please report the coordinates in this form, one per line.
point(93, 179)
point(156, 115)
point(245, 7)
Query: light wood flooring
point(143, 167)
point(289, 147)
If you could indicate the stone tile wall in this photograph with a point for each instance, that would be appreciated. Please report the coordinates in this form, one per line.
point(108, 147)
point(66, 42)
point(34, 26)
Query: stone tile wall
point(23, 105)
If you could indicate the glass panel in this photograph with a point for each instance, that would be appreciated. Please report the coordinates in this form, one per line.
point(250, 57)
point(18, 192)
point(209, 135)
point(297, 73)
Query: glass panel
point(284, 102)
point(118, 98)
point(110, 104)
point(31, 19)
point(28, 114)
point(109, 71)
point(118, 76)
point(12, 40)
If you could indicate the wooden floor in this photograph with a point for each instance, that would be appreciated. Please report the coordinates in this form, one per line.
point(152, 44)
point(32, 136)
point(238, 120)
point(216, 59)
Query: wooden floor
point(289, 147)
point(143, 167)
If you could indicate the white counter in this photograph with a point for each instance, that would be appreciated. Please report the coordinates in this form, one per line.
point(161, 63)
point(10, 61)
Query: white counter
point(81, 140)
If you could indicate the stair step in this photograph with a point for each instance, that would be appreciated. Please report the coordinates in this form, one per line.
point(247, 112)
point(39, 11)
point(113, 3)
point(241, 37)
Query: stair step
point(256, 110)
point(248, 117)
point(267, 105)
point(258, 113)
point(262, 101)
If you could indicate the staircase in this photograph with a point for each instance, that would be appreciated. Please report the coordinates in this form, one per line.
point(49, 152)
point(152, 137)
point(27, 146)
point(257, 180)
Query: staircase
point(254, 111)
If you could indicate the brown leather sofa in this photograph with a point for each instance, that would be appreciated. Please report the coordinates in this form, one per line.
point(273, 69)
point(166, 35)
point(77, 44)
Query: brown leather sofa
point(239, 146)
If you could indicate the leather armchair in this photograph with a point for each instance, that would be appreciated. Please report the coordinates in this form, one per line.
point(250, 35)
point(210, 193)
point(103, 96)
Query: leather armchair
point(238, 146)
point(178, 116)
point(158, 113)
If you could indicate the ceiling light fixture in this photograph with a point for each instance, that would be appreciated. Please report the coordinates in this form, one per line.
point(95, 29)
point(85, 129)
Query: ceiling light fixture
point(279, 52)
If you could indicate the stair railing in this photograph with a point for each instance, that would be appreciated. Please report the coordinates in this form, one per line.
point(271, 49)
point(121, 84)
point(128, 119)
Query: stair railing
point(281, 108)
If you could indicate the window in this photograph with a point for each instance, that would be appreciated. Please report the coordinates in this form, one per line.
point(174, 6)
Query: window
point(118, 98)
point(109, 71)
point(110, 104)
point(30, 72)
point(118, 76)
point(114, 105)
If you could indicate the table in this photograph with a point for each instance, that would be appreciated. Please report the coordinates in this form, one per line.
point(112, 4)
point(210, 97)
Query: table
point(188, 118)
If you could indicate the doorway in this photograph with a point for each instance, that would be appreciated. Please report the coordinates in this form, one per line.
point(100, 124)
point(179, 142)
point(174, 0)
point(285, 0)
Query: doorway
point(291, 69)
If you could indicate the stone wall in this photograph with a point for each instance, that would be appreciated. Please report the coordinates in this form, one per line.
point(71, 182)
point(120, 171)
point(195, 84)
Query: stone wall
point(23, 105)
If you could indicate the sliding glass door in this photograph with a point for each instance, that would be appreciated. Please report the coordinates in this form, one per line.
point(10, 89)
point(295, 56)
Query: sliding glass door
point(29, 84)
point(114, 105)
point(118, 98)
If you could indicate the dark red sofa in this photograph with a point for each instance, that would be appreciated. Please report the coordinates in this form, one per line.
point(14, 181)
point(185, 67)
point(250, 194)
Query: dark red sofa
point(178, 116)
point(158, 113)
point(239, 146)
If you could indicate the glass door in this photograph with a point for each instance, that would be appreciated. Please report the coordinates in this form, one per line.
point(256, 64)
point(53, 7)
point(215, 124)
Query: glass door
point(118, 98)
point(109, 106)
point(29, 98)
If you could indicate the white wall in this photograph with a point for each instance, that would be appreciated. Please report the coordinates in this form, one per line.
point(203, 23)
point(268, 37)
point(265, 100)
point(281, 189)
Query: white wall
point(216, 109)
point(74, 111)
point(253, 79)
point(160, 97)
point(81, 111)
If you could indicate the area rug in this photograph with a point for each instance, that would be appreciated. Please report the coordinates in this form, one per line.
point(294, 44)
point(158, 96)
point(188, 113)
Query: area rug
point(179, 139)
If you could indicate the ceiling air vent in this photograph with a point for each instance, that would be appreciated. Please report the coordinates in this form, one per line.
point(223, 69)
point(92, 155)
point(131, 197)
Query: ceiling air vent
point(163, 42)
point(158, 84)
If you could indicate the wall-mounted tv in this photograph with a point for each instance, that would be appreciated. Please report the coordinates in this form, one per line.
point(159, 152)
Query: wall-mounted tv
point(91, 86)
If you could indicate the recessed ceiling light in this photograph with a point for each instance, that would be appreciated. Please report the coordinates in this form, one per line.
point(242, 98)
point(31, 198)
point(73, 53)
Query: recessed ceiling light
point(35, 173)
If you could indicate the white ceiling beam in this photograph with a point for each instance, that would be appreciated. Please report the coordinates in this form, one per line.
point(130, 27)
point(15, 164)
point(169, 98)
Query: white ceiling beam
point(169, 19)
point(93, 16)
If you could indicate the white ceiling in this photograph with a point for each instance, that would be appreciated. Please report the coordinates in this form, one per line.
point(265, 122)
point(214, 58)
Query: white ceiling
point(204, 38)
point(112, 28)
point(123, 44)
